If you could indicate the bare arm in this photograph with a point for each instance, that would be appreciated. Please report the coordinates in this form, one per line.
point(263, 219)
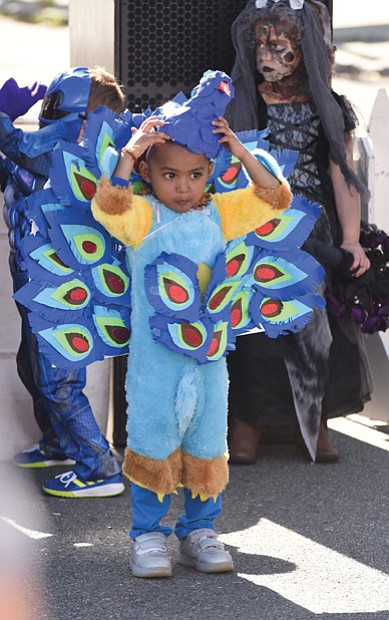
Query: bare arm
point(349, 213)
point(141, 140)
point(257, 172)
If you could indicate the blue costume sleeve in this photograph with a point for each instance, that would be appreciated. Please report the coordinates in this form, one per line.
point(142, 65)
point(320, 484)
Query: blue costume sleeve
point(31, 150)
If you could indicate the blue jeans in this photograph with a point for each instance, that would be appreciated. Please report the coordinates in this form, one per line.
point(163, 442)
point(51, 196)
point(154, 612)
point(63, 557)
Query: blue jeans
point(61, 409)
point(148, 510)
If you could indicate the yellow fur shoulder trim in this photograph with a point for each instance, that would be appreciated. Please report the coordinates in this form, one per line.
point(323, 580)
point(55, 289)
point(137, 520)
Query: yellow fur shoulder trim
point(125, 216)
point(244, 210)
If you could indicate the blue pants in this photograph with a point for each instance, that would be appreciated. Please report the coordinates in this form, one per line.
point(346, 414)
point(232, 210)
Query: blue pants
point(61, 409)
point(148, 510)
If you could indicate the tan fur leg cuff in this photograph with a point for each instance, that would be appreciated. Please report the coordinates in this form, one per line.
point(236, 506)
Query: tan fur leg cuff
point(162, 477)
point(204, 477)
point(279, 197)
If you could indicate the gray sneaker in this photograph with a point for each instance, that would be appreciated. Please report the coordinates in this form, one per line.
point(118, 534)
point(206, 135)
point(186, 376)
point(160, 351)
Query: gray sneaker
point(149, 556)
point(203, 551)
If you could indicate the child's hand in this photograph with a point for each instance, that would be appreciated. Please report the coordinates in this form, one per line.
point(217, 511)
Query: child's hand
point(228, 138)
point(259, 174)
point(145, 136)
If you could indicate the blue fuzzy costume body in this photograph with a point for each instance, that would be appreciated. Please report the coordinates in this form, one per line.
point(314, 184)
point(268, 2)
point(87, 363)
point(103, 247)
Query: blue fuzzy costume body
point(173, 403)
point(177, 409)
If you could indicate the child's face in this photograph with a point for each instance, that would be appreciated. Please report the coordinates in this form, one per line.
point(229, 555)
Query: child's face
point(277, 55)
point(178, 176)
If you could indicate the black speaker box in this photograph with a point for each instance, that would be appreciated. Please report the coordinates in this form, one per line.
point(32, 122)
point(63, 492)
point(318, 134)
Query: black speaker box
point(163, 47)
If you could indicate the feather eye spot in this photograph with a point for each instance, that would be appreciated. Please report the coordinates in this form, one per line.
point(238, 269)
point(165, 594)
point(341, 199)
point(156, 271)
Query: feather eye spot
point(191, 335)
point(76, 296)
point(215, 344)
point(271, 308)
point(175, 292)
point(232, 173)
point(236, 314)
point(87, 187)
point(119, 334)
point(234, 265)
point(114, 282)
point(266, 229)
point(266, 273)
point(89, 247)
point(78, 343)
point(56, 259)
point(218, 298)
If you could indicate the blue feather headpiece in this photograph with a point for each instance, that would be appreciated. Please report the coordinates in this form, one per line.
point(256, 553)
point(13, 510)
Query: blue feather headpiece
point(189, 121)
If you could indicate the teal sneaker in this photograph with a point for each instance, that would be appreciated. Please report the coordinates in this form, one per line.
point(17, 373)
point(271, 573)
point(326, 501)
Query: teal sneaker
point(35, 457)
point(69, 485)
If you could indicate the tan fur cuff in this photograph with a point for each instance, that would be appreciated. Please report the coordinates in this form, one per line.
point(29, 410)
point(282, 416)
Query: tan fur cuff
point(279, 197)
point(113, 200)
point(162, 477)
point(204, 477)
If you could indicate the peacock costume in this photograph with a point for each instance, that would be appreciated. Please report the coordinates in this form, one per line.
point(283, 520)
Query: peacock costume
point(61, 409)
point(190, 282)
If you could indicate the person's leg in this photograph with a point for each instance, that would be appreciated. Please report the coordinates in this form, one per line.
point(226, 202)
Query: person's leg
point(147, 511)
point(198, 514)
point(25, 363)
point(96, 472)
point(259, 395)
point(199, 545)
point(74, 423)
point(47, 452)
point(149, 554)
point(70, 433)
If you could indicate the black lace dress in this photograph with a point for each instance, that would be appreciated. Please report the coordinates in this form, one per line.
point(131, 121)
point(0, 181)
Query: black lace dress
point(322, 370)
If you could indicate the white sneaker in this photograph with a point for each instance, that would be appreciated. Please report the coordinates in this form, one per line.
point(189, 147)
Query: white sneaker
point(150, 557)
point(203, 551)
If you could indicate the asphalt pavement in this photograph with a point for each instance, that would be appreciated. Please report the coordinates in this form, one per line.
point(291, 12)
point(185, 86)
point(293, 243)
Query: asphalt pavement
point(308, 541)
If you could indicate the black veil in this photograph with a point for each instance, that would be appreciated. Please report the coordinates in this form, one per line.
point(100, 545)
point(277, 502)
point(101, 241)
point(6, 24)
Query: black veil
point(314, 25)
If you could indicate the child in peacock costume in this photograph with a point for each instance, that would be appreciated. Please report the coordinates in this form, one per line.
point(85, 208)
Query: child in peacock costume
point(204, 268)
point(70, 434)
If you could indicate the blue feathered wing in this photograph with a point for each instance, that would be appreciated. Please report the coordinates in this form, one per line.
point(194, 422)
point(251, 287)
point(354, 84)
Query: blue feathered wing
point(78, 292)
point(79, 289)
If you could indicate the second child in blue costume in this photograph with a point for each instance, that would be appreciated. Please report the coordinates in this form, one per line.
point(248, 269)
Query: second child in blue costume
point(70, 433)
point(177, 409)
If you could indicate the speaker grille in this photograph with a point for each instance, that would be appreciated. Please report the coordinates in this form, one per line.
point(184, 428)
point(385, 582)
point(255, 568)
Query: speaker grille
point(166, 46)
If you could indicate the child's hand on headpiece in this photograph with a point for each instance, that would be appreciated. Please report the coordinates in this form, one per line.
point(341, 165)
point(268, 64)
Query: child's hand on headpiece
point(228, 138)
point(146, 136)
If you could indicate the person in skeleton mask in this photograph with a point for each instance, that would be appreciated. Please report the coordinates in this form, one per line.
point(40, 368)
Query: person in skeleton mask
point(282, 80)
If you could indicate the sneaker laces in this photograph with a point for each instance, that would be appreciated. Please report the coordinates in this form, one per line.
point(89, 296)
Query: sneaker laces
point(66, 478)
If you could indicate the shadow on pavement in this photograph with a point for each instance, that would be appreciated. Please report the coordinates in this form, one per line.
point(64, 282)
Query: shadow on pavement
point(307, 541)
